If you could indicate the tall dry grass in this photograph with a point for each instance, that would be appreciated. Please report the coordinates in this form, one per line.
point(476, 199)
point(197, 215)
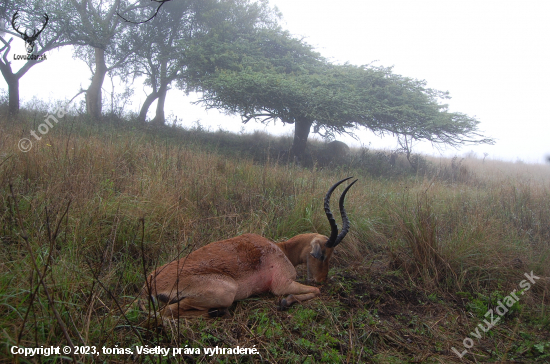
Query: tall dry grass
point(72, 226)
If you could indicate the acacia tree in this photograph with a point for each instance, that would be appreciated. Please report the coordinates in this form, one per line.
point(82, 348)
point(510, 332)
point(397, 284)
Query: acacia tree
point(256, 75)
point(275, 76)
point(160, 59)
point(170, 32)
point(50, 38)
point(100, 37)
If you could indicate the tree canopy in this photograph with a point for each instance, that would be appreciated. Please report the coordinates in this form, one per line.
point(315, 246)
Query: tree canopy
point(270, 75)
point(159, 58)
point(237, 56)
point(165, 36)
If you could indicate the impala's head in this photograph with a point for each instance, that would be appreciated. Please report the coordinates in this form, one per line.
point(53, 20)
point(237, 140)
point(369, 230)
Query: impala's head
point(322, 246)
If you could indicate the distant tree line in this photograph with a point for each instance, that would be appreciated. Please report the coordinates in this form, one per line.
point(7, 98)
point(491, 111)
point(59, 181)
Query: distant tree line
point(237, 57)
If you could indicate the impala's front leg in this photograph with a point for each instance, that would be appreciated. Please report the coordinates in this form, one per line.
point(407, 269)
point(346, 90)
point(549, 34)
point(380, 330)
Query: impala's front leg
point(297, 292)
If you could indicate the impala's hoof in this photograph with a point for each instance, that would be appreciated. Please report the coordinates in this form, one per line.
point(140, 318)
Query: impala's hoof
point(287, 302)
point(218, 312)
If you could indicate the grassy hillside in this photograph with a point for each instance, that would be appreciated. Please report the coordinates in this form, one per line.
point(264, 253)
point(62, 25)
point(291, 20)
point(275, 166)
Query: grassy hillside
point(92, 208)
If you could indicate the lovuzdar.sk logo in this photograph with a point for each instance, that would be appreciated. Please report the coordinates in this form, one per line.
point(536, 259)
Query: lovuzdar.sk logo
point(29, 39)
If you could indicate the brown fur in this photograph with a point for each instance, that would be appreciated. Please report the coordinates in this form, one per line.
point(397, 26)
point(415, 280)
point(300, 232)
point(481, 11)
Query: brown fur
point(299, 249)
point(219, 273)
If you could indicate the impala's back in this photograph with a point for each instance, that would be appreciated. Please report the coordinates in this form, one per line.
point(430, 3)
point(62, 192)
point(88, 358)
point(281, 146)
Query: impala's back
point(224, 271)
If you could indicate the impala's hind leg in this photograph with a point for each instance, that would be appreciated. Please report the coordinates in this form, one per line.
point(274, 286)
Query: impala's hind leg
point(210, 296)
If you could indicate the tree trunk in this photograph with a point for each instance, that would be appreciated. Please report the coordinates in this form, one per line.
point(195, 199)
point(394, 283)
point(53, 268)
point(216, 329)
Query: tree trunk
point(12, 79)
point(13, 95)
point(93, 95)
point(13, 88)
point(159, 117)
point(301, 132)
point(146, 104)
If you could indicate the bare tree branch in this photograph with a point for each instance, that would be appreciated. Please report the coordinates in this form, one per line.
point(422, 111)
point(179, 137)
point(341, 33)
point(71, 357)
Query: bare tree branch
point(162, 2)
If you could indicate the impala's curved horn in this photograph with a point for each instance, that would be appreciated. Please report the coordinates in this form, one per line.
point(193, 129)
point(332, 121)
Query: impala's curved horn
point(334, 238)
point(345, 221)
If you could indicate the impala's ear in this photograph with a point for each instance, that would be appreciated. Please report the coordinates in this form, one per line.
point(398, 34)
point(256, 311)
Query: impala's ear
point(316, 251)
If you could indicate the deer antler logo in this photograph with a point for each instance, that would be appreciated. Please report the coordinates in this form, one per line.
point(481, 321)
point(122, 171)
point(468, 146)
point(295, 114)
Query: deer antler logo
point(29, 39)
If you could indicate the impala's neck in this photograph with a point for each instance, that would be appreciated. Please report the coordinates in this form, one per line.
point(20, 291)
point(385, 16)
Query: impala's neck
point(299, 247)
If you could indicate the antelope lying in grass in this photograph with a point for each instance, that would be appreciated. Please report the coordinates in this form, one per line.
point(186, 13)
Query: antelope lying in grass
point(211, 278)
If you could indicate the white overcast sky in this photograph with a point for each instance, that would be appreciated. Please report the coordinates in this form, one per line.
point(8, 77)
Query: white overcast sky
point(492, 56)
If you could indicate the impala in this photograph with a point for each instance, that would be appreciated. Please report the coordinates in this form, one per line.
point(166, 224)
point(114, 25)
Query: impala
point(207, 281)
